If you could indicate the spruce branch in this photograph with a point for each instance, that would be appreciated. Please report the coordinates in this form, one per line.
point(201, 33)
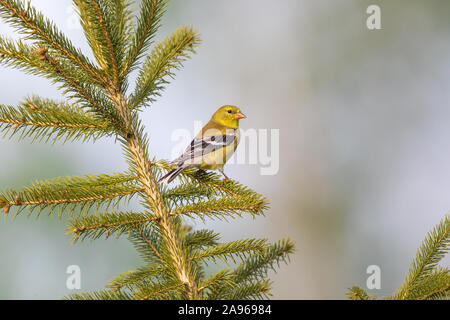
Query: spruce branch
point(95, 226)
point(163, 290)
point(70, 193)
point(147, 25)
point(356, 293)
point(435, 285)
point(432, 250)
point(256, 290)
point(27, 20)
point(146, 240)
point(31, 59)
point(45, 119)
point(187, 193)
point(141, 277)
point(211, 180)
point(221, 208)
point(201, 239)
point(106, 24)
point(222, 279)
point(257, 266)
point(426, 280)
point(165, 57)
point(100, 295)
point(86, 93)
point(113, 65)
point(231, 250)
point(40, 61)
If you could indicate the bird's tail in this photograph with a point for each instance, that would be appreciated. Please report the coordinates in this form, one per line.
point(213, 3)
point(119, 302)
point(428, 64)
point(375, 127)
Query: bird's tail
point(171, 175)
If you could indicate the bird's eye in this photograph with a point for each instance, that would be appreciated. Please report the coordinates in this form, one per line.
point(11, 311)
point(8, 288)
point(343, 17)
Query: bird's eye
point(229, 111)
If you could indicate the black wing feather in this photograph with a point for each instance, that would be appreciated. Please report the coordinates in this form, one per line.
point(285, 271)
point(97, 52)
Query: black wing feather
point(205, 145)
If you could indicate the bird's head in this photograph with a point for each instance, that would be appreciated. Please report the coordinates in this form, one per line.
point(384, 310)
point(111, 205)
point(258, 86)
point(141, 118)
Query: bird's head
point(228, 116)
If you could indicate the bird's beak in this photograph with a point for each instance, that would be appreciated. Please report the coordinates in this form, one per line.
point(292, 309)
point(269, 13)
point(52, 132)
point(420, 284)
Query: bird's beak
point(239, 115)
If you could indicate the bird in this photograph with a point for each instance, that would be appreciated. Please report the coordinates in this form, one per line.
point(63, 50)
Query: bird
point(212, 146)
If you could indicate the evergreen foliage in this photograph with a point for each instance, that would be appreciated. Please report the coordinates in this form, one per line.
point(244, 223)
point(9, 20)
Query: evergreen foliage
point(426, 280)
point(98, 105)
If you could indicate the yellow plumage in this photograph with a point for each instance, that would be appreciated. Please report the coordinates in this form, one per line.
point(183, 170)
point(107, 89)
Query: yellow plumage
point(214, 144)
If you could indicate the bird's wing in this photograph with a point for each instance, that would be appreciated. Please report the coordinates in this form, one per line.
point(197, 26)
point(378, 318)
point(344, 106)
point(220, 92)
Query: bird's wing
point(204, 145)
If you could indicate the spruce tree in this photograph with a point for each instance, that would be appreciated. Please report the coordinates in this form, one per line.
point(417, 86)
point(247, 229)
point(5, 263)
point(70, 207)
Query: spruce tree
point(426, 280)
point(99, 104)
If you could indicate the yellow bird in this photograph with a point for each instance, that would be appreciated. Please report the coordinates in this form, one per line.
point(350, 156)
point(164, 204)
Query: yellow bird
point(213, 145)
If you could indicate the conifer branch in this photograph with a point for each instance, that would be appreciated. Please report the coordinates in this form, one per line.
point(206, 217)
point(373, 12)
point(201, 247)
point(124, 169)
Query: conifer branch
point(210, 179)
point(356, 293)
point(109, 44)
point(95, 226)
point(86, 93)
point(257, 266)
point(147, 25)
point(222, 208)
point(45, 118)
point(188, 193)
point(129, 279)
point(256, 290)
point(31, 59)
point(432, 250)
point(31, 22)
point(71, 193)
point(436, 284)
point(150, 244)
point(222, 279)
point(231, 250)
point(91, 26)
point(201, 239)
point(160, 291)
point(100, 295)
point(40, 62)
point(105, 24)
point(165, 57)
point(146, 240)
point(426, 280)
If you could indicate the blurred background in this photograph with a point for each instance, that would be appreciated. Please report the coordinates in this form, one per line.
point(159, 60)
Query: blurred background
point(364, 140)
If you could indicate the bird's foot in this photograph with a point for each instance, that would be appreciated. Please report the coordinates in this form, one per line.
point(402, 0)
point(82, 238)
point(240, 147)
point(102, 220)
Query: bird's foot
point(224, 175)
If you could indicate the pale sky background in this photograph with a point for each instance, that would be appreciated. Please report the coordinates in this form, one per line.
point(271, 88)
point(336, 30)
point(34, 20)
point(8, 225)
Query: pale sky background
point(364, 140)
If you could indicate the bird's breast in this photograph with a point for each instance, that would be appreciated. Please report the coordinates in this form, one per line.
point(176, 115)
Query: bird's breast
point(217, 159)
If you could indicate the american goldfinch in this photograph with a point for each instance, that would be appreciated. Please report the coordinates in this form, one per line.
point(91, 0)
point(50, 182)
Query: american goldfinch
point(213, 145)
